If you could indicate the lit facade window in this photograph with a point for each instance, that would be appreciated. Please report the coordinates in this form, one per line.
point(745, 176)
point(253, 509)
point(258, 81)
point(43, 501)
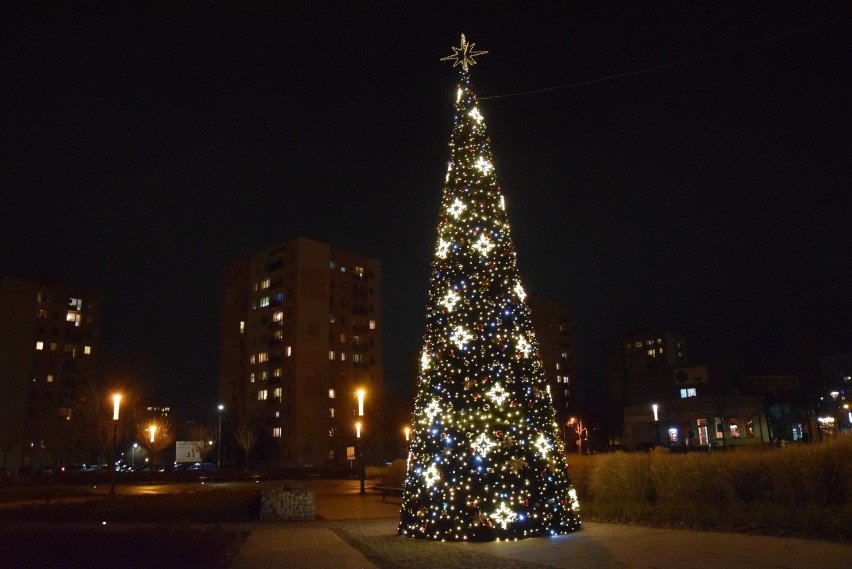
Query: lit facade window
point(343, 338)
point(251, 377)
point(278, 316)
point(75, 303)
point(331, 412)
point(359, 358)
point(673, 435)
point(39, 345)
point(264, 375)
point(343, 356)
point(688, 392)
point(277, 393)
point(276, 372)
point(331, 354)
point(53, 346)
point(288, 350)
point(276, 432)
point(264, 284)
point(372, 324)
point(262, 395)
point(50, 378)
point(263, 357)
point(87, 350)
point(279, 334)
point(264, 301)
point(252, 359)
point(242, 326)
point(359, 271)
point(73, 317)
point(331, 394)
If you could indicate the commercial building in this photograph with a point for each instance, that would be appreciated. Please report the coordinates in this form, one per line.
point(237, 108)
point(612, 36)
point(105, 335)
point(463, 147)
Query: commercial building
point(49, 346)
point(301, 333)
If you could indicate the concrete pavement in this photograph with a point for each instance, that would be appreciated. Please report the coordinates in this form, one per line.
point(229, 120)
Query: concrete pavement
point(359, 531)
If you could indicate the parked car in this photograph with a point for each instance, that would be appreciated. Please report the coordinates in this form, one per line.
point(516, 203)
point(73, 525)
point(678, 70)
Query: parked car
point(202, 467)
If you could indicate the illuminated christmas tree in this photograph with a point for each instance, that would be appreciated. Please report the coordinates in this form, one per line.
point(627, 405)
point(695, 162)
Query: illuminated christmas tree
point(486, 461)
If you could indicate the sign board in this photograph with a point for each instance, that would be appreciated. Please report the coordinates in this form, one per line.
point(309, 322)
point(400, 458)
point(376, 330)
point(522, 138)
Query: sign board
point(187, 451)
point(350, 453)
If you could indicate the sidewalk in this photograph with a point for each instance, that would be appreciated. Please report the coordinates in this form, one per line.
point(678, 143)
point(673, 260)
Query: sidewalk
point(359, 531)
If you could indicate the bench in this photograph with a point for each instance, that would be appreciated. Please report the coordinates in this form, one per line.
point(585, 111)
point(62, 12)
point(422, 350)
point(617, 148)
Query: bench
point(388, 491)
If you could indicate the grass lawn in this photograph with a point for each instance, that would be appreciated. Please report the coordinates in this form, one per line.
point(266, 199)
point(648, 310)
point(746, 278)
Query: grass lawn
point(186, 530)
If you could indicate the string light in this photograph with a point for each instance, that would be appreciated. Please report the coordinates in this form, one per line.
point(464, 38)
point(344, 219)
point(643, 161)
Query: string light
point(485, 461)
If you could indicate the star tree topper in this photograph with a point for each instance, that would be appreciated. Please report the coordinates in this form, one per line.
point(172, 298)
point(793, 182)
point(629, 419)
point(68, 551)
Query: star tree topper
point(464, 54)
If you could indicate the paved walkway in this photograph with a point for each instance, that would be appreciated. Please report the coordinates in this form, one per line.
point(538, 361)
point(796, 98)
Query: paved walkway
point(359, 531)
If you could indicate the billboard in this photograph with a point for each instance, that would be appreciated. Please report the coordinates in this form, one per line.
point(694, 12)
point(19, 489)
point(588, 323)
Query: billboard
point(690, 375)
point(189, 451)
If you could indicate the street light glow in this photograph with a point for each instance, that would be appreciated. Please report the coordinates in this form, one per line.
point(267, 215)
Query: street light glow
point(116, 402)
point(153, 430)
point(358, 429)
point(360, 393)
point(407, 432)
point(655, 408)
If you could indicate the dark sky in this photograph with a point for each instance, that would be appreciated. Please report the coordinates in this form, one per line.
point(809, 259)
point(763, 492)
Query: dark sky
point(142, 150)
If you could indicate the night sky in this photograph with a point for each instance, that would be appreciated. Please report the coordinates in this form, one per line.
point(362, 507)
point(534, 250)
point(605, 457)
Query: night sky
point(711, 197)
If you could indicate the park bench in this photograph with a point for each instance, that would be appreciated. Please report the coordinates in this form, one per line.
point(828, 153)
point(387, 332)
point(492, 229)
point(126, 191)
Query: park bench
point(388, 491)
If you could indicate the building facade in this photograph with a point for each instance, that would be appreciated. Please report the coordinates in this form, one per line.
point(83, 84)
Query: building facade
point(301, 333)
point(49, 347)
point(554, 331)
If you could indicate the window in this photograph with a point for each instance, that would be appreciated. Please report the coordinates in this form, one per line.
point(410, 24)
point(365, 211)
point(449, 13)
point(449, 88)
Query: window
point(673, 435)
point(242, 326)
point(278, 297)
point(331, 412)
point(331, 265)
point(372, 324)
point(342, 338)
point(73, 317)
point(277, 393)
point(278, 316)
point(53, 346)
point(264, 301)
point(356, 340)
point(42, 297)
point(264, 284)
point(276, 372)
point(262, 357)
point(734, 428)
point(276, 432)
point(252, 359)
point(566, 379)
point(39, 345)
point(749, 427)
point(331, 354)
point(331, 319)
point(688, 392)
point(87, 350)
point(264, 375)
point(42, 313)
point(331, 394)
point(288, 350)
point(262, 395)
point(343, 356)
point(359, 271)
point(719, 432)
point(251, 377)
point(75, 303)
point(359, 359)
point(50, 378)
point(652, 353)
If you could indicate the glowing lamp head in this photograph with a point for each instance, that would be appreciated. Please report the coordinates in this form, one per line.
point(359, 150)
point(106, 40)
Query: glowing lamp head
point(153, 431)
point(116, 403)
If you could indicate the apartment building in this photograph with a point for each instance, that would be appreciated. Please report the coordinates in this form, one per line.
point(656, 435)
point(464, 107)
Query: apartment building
point(301, 333)
point(49, 347)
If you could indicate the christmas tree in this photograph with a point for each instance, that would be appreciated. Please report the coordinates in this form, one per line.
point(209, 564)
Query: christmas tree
point(486, 461)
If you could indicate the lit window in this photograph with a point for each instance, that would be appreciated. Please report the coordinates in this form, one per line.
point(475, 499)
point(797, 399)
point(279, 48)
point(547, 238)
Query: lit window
point(276, 372)
point(331, 264)
point(359, 271)
point(251, 377)
point(39, 345)
point(42, 313)
point(372, 324)
point(262, 395)
point(749, 428)
point(331, 412)
point(342, 269)
point(557, 366)
point(264, 375)
point(262, 357)
point(279, 334)
point(331, 354)
point(689, 392)
point(343, 356)
point(566, 379)
point(87, 350)
point(277, 414)
point(50, 378)
point(75, 303)
point(264, 302)
point(343, 338)
point(734, 428)
point(652, 353)
point(289, 351)
point(276, 432)
point(356, 341)
point(278, 297)
point(252, 359)
point(264, 284)
point(53, 346)
point(673, 435)
point(358, 358)
point(73, 317)
point(277, 393)
point(242, 326)
point(638, 344)
point(278, 316)
point(331, 394)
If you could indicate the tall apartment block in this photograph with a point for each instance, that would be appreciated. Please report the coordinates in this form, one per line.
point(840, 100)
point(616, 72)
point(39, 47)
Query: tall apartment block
point(301, 333)
point(555, 334)
point(49, 341)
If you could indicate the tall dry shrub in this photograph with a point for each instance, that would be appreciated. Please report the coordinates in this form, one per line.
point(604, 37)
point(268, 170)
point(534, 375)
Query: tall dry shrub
point(622, 478)
point(696, 478)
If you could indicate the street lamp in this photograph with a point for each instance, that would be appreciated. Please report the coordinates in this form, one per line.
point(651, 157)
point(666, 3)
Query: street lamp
point(133, 455)
point(219, 457)
point(656, 408)
point(116, 403)
point(358, 445)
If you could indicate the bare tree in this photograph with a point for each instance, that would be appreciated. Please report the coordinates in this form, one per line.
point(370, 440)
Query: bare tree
point(247, 436)
point(578, 427)
point(200, 437)
point(156, 435)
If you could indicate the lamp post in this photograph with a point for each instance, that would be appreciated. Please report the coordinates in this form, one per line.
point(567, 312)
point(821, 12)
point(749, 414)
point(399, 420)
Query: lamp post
point(116, 403)
point(219, 453)
point(133, 455)
point(359, 447)
point(656, 408)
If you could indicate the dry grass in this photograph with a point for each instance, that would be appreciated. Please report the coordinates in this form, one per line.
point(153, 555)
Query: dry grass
point(803, 490)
